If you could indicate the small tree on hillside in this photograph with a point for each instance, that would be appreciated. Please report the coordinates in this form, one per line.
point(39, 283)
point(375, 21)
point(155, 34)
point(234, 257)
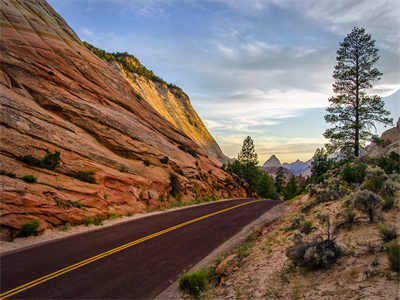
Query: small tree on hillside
point(280, 179)
point(248, 155)
point(291, 189)
point(320, 165)
point(265, 187)
point(352, 111)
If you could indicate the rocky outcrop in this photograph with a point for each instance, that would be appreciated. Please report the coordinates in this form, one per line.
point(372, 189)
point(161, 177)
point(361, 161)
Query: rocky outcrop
point(118, 155)
point(390, 142)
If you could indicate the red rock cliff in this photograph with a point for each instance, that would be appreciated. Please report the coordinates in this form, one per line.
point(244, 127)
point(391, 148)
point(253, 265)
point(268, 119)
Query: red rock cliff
point(56, 95)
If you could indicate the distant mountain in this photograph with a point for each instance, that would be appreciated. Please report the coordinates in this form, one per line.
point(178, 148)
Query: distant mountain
point(296, 168)
point(272, 162)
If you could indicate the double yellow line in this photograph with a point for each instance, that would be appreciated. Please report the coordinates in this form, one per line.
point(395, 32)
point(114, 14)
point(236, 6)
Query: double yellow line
point(82, 263)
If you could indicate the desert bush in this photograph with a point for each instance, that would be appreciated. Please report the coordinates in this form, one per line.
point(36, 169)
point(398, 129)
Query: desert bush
point(320, 165)
point(77, 204)
point(389, 188)
point(349, 217)
point(388, 203)
point(164, 160)
point(367, 202)
point(29, 179)
point(29, 228)
point(355, 173)
point(393, 253)
point(307, 227)
point(390, 164)
point(316, 254)
point(296, 222)
point(374, 180)
point(86, 176)
point(331, 189)
point(388, 232)
point(193, 283)
point(51, 161)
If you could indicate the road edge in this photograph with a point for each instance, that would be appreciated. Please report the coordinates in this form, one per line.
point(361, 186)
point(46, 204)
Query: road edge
point(173, 292)
point(36, 241)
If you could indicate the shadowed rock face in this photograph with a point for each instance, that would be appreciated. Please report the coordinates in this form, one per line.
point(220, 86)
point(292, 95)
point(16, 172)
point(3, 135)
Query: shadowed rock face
point(56, 95)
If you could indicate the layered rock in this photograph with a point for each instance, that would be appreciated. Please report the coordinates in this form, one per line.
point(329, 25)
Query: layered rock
point(390, 142)
point(56, 95)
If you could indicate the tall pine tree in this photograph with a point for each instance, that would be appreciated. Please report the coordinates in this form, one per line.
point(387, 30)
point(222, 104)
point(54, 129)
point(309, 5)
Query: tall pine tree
point(248, 155)
point(352, 111)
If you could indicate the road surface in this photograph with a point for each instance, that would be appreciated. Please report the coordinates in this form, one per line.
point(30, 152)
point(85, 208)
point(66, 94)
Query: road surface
point(131, 260)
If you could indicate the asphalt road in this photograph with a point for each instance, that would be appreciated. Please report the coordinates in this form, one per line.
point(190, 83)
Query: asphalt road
point(141, 271)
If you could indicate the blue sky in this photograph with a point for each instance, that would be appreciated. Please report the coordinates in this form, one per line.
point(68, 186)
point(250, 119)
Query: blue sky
point(257, 67)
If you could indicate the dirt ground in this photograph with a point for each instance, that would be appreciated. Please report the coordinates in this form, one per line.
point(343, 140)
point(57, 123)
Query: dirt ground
point(362, 272)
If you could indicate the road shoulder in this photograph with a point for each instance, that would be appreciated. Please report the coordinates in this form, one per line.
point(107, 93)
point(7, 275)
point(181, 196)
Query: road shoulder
point(172, 292)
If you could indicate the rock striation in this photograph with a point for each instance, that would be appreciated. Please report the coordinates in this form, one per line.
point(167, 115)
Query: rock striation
point(118, 153)
point(390, 142)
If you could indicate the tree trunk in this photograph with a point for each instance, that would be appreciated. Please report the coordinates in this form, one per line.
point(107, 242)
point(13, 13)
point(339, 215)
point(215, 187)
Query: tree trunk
point(357, 122)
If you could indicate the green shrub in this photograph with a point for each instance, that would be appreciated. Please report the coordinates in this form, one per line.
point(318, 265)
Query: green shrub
point(316, 254)
point(29, 228)
point(146, 163)
point(51, 161)
point(349, 217)
point(393, 253)
point(354, 174)
point(88, 220)
point(86, 176)
point(193, 283)
point(367, 202)
point(164, 160)
point(296, 222)
point(307, 227)
point(66, 227)
point(375, 180)
point(77, 204)
point(243, 250)
point(99, 221)
point(388, 232)
point(29, 178)
point(113, 216)
point(388, 203)
point(390, 164)
point(389, 188)
point(265, 187)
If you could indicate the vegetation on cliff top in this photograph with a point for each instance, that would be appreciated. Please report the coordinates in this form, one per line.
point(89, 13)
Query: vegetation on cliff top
point(130, 64)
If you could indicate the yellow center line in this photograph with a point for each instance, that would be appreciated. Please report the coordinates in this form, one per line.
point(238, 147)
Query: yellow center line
point(82, 263)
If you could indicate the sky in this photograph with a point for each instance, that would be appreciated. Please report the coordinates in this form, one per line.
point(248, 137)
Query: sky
point(261, 68)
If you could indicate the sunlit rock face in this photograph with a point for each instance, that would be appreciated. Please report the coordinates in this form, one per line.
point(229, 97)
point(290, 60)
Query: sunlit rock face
point(56, 95)
point(390, 142)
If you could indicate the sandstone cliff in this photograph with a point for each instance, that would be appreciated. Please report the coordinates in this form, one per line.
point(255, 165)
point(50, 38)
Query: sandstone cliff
point(390, 142)
point(118, 154)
